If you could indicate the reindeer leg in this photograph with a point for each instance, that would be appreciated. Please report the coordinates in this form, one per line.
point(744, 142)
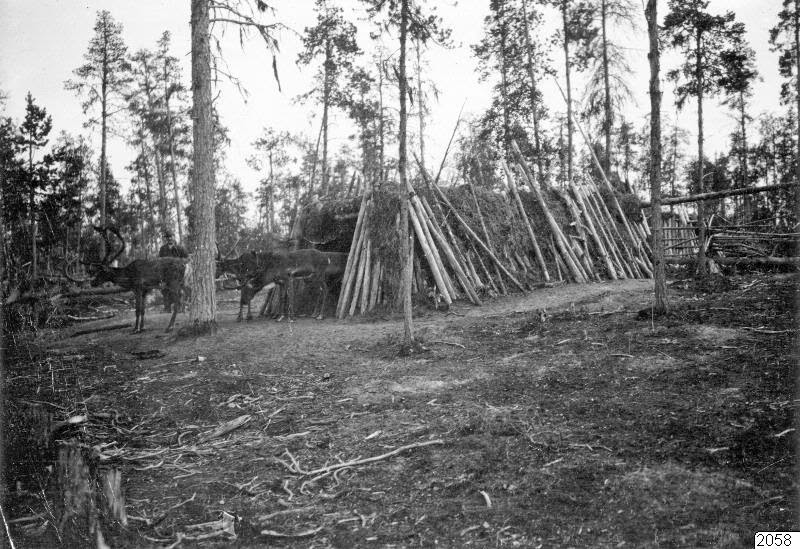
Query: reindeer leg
point(324, 289)
point(138, 326)
point(267, 299)
point(283, 300)
point(244, 297)
point(136, 311)
point(176, 303)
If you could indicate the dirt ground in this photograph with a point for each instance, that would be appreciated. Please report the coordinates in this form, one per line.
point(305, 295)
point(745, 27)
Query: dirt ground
point(588, 426)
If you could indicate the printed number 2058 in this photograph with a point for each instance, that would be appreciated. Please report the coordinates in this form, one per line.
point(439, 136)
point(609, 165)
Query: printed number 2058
point(785, 540)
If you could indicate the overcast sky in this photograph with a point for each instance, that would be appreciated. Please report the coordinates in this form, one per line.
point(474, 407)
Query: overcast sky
point(43, 41)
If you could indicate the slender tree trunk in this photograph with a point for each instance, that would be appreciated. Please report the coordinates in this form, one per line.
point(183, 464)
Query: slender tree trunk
point(534, 98)
point(607, 119)
point(701, 205)
point(270, 213)
point(326, 97)
point(381, 129)
point(147, 184)
point(173, 168)
point(103, 130)
point(163, 211)
point(569, 90)
point(659, 273)
point(202, 313)
point(32, 213)
point(747, 200)
point(405, 238)
point(421, 108)
point(797, 94)
point(674, 163)
point(562, 170)
point(797, 82)
point(504, 88)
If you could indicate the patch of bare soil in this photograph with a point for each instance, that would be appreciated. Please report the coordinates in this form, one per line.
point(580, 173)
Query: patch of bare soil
point(580, 428)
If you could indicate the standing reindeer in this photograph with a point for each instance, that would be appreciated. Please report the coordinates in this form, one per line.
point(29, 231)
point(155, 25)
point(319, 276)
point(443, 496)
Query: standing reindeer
point(284, 268)
point(140, 276)
point(245, 268)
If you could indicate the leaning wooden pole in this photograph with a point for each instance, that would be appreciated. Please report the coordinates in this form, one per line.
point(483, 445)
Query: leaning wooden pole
point(422, 217)
point(429, 255)
point(560, 241)
point(477, 239)
point(436, 234)
point(512, 186)
point(352, 256)
point(483, 223)
point(621, 213)
point(601, 249)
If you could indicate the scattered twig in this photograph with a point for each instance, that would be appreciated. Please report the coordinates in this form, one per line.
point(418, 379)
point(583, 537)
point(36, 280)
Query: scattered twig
point(453, 343)
point(562, 342)
point(176, 362)
point(607, 313)
point(102, 329)
point(785, 432)
point(764, 331)
point(177, 542)
point(90, 318)
point(623, 355)
point(487, 499)
point(552, 462)
point(263, 518)
point(295, 467)
point(154, 466)
point(303, 534)
point(225, 428)
point(293, 435)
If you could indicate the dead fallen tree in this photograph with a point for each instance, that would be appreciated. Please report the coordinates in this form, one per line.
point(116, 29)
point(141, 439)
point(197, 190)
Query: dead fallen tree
point(17, 296)
point(751, 260)
point(720, 194)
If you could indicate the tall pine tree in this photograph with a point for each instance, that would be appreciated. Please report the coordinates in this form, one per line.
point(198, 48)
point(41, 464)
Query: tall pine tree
point(102, 81)
point(702, 38)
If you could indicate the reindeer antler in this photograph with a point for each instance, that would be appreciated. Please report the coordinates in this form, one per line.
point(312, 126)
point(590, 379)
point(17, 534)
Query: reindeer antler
point(115, 232)
point(64, 270)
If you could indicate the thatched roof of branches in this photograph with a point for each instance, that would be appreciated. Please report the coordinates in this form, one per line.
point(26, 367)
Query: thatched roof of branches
point(474, 240)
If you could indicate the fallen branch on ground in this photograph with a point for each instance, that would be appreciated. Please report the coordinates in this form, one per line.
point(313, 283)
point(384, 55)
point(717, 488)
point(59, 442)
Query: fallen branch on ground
point(303, 534)
point(295, 467)
point(225, 428)
point(453, 343)
point(89, 318)
point(102, 329)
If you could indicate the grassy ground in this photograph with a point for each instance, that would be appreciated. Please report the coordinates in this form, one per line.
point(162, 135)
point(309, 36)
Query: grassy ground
point(587, 428)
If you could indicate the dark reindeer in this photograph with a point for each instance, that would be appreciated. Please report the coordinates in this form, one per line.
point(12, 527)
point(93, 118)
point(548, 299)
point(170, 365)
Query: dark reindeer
point(244, 268)
point(141, 276)
point(282, 268)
